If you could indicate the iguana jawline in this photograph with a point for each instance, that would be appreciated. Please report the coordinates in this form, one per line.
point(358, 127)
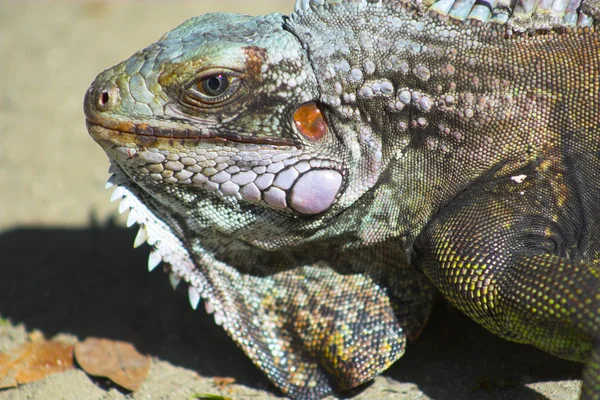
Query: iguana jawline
point(142, 133)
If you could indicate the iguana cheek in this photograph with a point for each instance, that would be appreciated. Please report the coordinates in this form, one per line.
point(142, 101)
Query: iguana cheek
point(315, 191)
point(286, 182)
point(310, 193)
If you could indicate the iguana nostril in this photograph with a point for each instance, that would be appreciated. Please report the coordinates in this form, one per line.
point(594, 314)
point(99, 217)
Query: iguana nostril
point(106, 97)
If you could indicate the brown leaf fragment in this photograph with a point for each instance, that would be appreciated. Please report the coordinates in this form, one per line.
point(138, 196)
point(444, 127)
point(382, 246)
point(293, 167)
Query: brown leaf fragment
point(118, 361)
point(221, 382)
point(34, 361)
point(36, 336)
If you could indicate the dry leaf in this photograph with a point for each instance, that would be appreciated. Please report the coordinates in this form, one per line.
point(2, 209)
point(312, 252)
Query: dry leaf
point(222, 382)
point(37, 336)
point(118, 361)
point(34, 361)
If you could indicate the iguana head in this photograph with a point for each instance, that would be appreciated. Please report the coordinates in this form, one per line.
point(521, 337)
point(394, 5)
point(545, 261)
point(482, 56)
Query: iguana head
point(241, 179)
point(239, 97)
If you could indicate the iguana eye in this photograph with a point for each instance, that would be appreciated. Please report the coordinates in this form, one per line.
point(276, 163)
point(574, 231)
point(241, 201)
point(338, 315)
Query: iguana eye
point(214, 85)
point(212, 88)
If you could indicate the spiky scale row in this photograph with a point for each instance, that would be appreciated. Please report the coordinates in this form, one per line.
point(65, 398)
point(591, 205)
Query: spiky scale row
point(128, 204)
point(531, 13)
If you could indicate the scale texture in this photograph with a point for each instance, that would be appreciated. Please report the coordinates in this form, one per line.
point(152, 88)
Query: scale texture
point(316, 178)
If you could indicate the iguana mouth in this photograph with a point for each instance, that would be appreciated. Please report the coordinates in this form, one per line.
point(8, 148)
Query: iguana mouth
point(146, 134)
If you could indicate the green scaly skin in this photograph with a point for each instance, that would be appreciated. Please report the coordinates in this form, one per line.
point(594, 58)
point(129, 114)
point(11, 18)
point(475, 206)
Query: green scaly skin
point(314, 178)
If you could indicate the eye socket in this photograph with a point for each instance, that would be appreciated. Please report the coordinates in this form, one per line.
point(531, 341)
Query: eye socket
point(214, 85)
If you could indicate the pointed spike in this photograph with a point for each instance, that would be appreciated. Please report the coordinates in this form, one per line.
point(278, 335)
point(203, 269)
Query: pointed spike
point(124, 205)
point(194, 297)
point(174, 279)
point(524, 8)
point(117, 193)
point(544, 7)
point(571, 16)
point(585, 20)
point(208, 306)
point(556, 7)
point(115, 180)
point(112, 168)
point(131, 218)
point(219, 317)
point(461, 9)
point(109, 182)
point(141, 237)
point(301, 5)
point(153, 260)
point(481, 13)
point(442, 7)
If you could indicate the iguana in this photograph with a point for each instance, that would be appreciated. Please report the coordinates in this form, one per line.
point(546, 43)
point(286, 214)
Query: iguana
point(316, 178)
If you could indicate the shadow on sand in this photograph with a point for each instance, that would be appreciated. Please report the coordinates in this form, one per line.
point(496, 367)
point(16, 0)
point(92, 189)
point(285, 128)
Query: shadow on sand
point(90, 282)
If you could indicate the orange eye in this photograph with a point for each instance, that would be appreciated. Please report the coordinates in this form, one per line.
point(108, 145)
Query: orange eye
point(310, 121)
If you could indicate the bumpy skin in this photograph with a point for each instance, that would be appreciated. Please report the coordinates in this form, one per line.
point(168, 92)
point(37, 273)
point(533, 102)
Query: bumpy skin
point(310, 177)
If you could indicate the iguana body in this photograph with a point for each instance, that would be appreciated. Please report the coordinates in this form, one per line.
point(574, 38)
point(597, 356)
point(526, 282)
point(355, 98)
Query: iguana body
point(311, 177)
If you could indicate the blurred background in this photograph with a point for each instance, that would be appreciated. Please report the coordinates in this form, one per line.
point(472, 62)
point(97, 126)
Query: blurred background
point(67, 268)
point(51, 172)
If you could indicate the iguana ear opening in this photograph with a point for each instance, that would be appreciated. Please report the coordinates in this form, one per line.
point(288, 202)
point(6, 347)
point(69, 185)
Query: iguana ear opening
point(310, 122)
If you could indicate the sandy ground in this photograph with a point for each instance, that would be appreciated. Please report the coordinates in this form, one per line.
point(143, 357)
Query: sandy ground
point(67, 267)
